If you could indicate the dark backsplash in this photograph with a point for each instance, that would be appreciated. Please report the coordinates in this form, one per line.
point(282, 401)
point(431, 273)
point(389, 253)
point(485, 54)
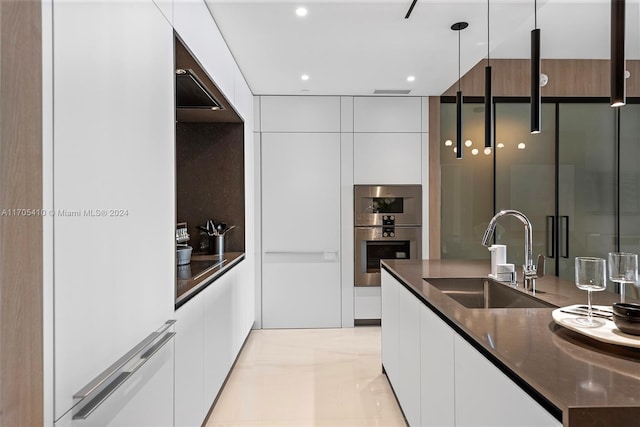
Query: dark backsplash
point(210, 179)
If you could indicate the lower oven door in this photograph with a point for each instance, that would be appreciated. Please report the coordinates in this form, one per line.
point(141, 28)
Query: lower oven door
point(371, 247)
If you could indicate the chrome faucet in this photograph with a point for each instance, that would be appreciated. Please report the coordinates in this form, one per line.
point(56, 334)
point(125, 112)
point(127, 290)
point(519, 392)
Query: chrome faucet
point(529, 269)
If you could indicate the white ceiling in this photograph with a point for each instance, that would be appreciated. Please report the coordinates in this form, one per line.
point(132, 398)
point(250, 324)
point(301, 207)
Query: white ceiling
point(354, 47)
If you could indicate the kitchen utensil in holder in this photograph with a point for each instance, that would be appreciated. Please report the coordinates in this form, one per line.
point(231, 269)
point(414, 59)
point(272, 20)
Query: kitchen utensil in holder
point(219, 239)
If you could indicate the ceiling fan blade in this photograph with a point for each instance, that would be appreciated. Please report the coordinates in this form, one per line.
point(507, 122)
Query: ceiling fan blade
point(413, 3)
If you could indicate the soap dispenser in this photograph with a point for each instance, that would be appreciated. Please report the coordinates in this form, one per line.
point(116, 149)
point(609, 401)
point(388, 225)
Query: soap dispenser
point(498, 256)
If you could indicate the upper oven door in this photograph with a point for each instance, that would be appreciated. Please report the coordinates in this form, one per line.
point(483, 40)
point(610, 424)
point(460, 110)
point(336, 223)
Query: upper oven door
point(401, 203)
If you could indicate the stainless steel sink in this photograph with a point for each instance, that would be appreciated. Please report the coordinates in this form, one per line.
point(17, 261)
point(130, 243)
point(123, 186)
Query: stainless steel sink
point(485, 293)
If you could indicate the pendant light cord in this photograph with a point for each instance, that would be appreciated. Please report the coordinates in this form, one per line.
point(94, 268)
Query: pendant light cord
point(535, 14)
point(459, 60)
point(488, 43)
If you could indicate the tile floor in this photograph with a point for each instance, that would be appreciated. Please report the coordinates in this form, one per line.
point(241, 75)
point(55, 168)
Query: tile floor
point(308, 377)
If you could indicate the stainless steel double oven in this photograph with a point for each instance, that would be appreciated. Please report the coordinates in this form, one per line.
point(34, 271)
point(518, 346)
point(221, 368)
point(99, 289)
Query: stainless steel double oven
point(388, 225)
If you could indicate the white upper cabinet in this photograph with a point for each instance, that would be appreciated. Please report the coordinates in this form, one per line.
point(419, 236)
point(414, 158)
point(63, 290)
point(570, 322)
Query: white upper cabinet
point(243, 98)
point(195, 26)
point(387, 114)
point(387, 158)
point(166, 7)
point(113, 186)
point(300, 113)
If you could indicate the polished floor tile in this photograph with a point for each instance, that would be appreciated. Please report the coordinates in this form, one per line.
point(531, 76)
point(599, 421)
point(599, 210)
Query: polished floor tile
point(308, 377)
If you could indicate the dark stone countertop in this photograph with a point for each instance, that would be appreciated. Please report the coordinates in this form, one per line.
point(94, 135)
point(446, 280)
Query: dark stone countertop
point(590, 382)
point(201, 272)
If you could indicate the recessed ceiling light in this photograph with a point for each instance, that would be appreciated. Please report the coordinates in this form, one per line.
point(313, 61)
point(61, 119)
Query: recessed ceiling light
point(500, 145)
point(301, 11)
point(487, 151)
point(468, 143)
point(521, 146)
point(448, 143)
point(304, 77)
point(474, 151)
point(411, 78)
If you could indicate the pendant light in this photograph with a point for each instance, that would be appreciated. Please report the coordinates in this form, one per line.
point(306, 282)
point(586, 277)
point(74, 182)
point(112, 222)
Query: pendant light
point(618, 83)
point(535, 73)
point(488, 97)
point(459, 26)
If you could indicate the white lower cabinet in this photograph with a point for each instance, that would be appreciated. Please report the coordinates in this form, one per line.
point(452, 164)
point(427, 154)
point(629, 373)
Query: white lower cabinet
point(211, 329)
point(144, 400)
point(484, 396)
point(189, 364)
point(440, 379)
point(401, 345)
point(408, 385)
point(389, 325)
point(436, 370)
point(218, 332)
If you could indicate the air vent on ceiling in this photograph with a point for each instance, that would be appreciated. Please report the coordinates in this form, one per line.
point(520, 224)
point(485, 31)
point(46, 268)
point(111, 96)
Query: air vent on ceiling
point(392, 91)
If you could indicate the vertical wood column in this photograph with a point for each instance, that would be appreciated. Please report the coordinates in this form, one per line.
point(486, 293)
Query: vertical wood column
point(21, 360)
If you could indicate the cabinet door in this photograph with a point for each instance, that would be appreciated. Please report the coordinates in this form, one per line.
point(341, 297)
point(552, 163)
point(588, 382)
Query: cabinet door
point(300, 113)
point(301, 230)
point(144, 400)
point(487, 397)
point(407, 387)
point(218, 335)
point(390, 327)
point(436, 370)
point(189, 405)
point(114, 184)
point(387, 158)
point(387, 114)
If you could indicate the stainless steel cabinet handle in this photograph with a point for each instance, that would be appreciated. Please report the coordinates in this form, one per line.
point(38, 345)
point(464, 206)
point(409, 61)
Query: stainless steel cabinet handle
point(101, 387)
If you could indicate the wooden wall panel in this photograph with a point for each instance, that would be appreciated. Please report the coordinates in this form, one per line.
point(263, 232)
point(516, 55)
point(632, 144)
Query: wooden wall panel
point(21, 362)
point(567, 77)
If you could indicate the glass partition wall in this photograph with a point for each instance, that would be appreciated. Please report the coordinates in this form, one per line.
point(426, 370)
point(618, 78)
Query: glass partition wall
point(578, 181)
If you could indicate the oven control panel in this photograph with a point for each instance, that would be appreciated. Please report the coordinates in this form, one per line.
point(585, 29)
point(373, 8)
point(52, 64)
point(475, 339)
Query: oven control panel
point(388, 226)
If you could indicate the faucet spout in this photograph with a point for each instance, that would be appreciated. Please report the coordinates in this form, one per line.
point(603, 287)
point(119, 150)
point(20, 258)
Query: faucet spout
point(529, 268)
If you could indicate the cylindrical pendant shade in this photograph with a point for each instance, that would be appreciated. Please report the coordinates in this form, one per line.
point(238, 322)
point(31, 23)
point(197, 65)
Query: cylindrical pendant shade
point(488, 108)
point(618, 95)
point(535, 81)
point(458, 125)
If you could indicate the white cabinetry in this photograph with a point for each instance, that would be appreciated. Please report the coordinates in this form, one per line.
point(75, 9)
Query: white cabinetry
point(436, 370)
point(387, 158)
point(301, 230)
point(218, 332)
point(408, 385)
point(486, 396)
point(211, 329)
point(401, 352)
point(139, 402)
point(113, 185)
point(387, 114)
point(190, 409)
point(439, 378)
point(300, 114)
point(390, 327)
point(166, 7)
point(195, 26)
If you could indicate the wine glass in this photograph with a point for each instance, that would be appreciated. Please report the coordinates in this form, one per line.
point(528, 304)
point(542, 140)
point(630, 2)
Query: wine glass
point(623, 269)
point(591, 275)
